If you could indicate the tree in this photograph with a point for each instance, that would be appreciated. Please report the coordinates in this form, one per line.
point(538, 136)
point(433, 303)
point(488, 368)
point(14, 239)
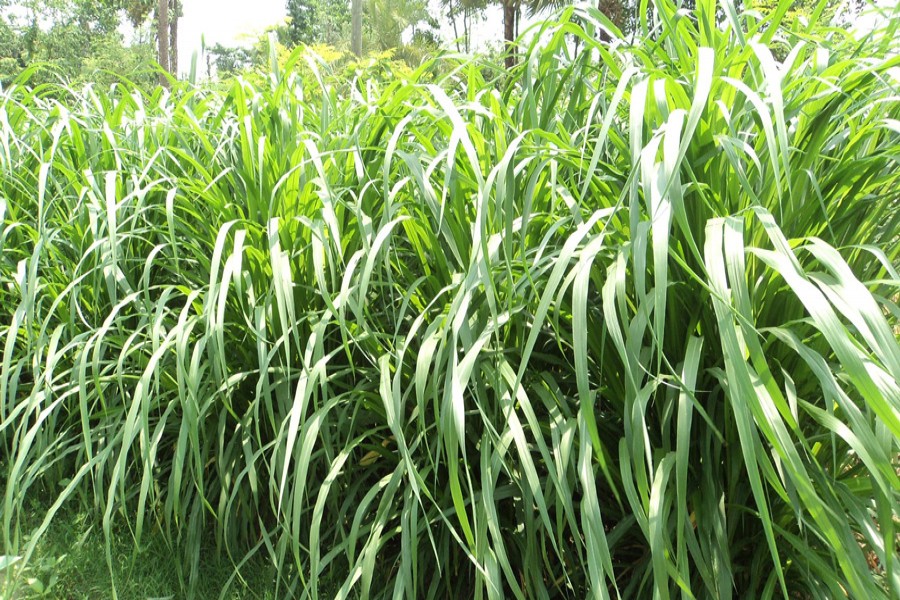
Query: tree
point(230, 60)
point(356, 27)
point(802, 14)
point(302, 21)
point(166, 13)
point(76, 40)
point(511, 11)
point(461, 13)
point(388, 20)
point(318, 22)
point(620, 12)
point(807, 10)
point(616, 11)
point(174, 15)
point(162, 37)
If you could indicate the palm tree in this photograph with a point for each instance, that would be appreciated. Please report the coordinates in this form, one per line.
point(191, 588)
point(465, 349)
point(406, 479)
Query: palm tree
point(173, 36)
point(511, 11)
point(615, 10)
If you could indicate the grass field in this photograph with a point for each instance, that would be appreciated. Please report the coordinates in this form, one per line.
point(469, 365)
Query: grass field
point(68, 563)
point(619, 324)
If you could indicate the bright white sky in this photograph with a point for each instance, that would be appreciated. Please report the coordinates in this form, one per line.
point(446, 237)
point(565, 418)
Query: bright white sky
point(222, 21)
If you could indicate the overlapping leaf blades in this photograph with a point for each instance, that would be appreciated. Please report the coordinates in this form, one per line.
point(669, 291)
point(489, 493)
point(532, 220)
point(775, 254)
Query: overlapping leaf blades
point(624, 329)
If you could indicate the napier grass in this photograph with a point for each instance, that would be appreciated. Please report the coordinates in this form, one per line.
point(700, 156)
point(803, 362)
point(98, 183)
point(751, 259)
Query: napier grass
point(619, 324)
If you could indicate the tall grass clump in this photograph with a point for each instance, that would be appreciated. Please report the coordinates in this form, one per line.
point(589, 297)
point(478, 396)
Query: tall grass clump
point(624, 327)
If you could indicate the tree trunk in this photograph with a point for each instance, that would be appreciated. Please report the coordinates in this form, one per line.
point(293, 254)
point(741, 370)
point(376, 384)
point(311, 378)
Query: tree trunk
point(452, 14)
point(162, 33)
point(467, 19)
point(173, 37)
point(615, 12)
point(356, 27)
point(509, 31)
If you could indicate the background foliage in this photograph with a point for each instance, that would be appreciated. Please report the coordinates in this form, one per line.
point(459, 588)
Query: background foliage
point(75, 41)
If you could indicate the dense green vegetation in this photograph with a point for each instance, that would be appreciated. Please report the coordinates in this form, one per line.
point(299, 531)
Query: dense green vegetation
point(73, 40)
point(622, 323)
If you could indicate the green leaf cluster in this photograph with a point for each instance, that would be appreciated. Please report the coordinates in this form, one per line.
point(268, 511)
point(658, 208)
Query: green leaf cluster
point(318, 22)
point(75, 41)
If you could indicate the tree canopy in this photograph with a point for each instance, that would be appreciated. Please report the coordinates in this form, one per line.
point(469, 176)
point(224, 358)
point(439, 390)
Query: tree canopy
point(73, 39)
point(81, 40)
